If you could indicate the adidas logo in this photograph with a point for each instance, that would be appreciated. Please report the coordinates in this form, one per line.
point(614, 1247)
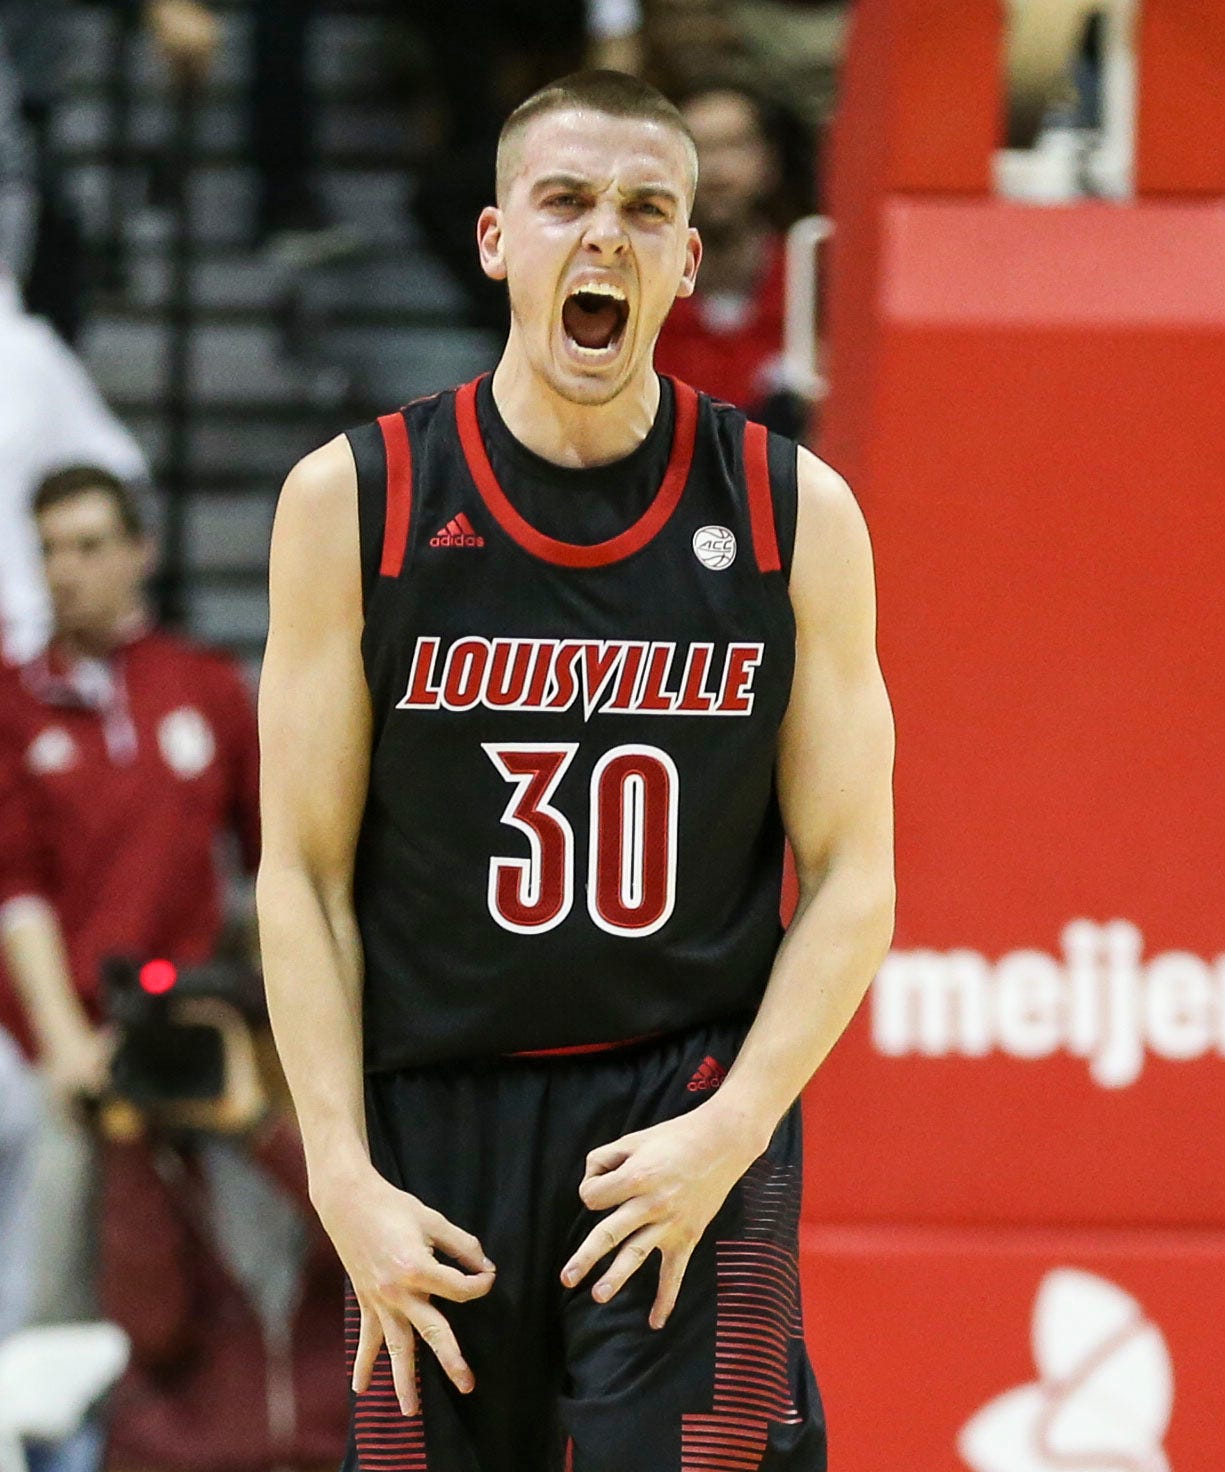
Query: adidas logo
point(710, 1074)
point(458, 532)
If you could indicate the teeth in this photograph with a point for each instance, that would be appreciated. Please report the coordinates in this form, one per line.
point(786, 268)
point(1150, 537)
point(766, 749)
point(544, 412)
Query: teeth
point(599, 288)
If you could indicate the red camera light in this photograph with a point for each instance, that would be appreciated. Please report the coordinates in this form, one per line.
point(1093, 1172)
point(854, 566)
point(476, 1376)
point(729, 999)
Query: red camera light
point(158, 977)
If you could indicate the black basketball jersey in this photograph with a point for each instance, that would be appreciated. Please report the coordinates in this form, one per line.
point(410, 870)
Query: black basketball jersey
point(572, 835)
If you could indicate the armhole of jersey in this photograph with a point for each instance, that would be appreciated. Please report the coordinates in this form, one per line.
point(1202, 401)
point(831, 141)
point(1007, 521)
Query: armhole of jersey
point(770, 479)
point(783, 455)
point(384, 496)
point(399, 510)
point(366, 443)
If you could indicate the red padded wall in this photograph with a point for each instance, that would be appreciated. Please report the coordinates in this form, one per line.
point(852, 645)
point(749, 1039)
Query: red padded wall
point(1028, 403)
point(1181, 145)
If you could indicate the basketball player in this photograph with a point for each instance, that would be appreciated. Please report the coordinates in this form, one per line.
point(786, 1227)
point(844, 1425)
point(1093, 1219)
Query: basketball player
point(554, 660)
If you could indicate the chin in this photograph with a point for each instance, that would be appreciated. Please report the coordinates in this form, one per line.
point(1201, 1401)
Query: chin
point(593, 391)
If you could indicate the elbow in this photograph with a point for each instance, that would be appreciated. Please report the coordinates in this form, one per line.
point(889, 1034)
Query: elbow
point(863, 896)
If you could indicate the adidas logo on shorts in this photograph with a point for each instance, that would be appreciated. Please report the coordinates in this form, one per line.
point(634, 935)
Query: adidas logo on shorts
point(458, 532)
point(709, 1074)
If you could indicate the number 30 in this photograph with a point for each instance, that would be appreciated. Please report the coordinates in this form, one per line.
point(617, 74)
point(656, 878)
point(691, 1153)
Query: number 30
point(631, 858)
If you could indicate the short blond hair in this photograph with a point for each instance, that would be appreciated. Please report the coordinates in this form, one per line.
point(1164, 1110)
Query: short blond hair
point(615, 94)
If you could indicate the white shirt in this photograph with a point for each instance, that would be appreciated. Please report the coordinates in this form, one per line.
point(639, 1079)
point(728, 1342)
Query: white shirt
point(51, 417)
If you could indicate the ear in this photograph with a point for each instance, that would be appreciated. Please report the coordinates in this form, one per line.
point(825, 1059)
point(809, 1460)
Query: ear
point(489, 243)
point(693, 259)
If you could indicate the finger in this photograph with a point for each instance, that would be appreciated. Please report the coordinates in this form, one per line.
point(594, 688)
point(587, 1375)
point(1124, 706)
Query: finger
point(609, 1157)
point(602, 1239)
point(671, 1276)
point(600, 1192)
point(463, 1246)
point(369, 1341)
point(440, 1338)
point(441, 1281)
point(634, 1252)
point(402, 1353)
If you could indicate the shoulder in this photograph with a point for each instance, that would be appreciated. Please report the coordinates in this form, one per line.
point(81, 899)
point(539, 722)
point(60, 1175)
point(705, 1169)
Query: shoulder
point(322, 483)
point(316, 513)
point(314, 570)
point(829, 514)
point(832, 568)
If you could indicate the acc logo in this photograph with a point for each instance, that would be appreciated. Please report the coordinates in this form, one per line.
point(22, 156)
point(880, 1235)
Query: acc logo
point(186, 741)
point(52, 750)
point(1103, 1398)
point(714, 547)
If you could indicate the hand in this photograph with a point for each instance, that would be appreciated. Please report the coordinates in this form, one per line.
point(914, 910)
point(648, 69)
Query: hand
point(387, 1241)
point(666, 1183)
point(77, 1065)
point(185, 34)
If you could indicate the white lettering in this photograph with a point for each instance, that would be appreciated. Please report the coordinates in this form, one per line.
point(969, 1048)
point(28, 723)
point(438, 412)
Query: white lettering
point(932, 1003)
point(1099, 1001)
point(1029, 1004)
point(1179, 1006)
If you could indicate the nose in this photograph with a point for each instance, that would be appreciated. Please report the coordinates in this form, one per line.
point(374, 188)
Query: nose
point(605, 232)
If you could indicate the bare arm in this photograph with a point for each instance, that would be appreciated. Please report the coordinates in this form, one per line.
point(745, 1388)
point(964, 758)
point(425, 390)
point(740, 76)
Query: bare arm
point(835, 773)
point(314, 717)
point(73, 1052)
point(835, 769)
point(315, 725)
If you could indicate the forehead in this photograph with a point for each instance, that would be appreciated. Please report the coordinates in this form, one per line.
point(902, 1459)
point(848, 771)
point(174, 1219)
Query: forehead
point(92, 513)
point(597, 146)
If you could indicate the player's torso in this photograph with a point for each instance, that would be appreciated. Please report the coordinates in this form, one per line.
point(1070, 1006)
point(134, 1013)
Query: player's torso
point(572, 834)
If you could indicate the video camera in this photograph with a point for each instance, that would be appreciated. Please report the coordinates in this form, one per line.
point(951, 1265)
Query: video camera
point(160, 1059)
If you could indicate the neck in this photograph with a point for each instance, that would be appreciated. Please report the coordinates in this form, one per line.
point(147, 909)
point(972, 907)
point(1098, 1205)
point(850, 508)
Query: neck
point(574, 435)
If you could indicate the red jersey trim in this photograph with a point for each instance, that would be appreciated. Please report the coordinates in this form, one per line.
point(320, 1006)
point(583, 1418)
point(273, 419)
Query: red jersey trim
point(761, 501)
point(399, 493)
point(570, 554)
point(580, 1048)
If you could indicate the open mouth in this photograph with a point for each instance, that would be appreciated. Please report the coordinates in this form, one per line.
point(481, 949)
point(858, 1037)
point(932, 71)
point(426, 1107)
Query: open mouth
point(594, 317)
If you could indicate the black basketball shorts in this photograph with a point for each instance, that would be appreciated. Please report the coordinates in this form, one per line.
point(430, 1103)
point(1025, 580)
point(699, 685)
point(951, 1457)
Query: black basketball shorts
point(564, 1384)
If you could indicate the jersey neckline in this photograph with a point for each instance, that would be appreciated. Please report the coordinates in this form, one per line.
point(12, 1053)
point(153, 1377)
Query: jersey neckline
point(573, 554)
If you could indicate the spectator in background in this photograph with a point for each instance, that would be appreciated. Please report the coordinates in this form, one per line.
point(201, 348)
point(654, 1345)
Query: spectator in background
point(125, 756)
point(727, 338)
point(215, 1265)
point(51, 416)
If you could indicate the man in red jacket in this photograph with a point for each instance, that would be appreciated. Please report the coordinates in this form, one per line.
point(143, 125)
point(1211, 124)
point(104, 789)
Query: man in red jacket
point(126, 754)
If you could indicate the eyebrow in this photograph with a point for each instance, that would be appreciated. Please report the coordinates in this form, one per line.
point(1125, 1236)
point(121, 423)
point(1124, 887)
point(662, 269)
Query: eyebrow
point(577, 182)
